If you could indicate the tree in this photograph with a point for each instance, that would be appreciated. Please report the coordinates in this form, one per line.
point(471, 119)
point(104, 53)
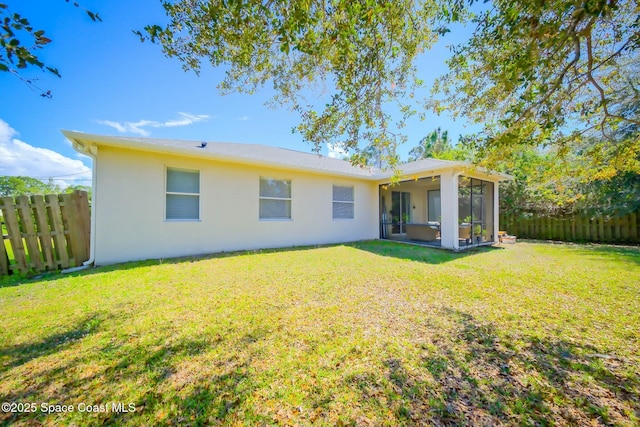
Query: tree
point(360, 52)
point(12, 186)
point(19, 42)
point(551, 73)
point(436, 145)
point(372, 156)
point(536, 72)
point(78, 187)
point(431, 145)
point(547, 183)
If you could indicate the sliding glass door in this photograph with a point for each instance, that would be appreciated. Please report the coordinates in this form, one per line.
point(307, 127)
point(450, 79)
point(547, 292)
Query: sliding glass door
point(400, 211)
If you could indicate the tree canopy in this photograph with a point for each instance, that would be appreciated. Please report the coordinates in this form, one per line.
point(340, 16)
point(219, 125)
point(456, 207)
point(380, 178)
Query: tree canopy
point(12, 186)
point(536, 73)
point(360, 54)
point(555, 74)
point(432, 145)
point(547, 184)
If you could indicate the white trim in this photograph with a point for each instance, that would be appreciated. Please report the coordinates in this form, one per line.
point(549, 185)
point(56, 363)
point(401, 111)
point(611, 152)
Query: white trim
point(496, 211)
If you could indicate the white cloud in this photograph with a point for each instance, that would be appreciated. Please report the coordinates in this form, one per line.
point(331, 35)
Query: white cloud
point(138, 127)
point(244, 118)
point(336, 152)
point(19, 158)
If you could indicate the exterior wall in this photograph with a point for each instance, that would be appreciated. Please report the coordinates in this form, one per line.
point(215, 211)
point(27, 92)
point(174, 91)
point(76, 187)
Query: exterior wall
point(130, 209)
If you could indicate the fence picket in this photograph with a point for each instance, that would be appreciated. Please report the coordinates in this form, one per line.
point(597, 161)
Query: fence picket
point(15, 236)
point(29, 233)
point(55, 220)
point(40, 214)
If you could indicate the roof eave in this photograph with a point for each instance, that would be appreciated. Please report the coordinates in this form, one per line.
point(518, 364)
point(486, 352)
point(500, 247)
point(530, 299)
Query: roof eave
point(462, 167)
point(83, 139)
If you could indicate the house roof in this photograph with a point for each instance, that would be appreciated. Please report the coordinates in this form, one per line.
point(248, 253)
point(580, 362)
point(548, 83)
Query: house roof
point(263, 155)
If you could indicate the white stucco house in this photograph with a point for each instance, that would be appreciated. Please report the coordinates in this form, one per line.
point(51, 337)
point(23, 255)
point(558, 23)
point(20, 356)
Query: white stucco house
point(158, 198)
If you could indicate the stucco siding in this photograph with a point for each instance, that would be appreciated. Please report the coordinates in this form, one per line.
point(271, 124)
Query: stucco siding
point(130, 209)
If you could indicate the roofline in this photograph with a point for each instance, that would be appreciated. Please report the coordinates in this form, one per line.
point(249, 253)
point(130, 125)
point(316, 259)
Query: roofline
point(459, 166)
point(84, 141)
point(133, 144)
point(386, 176)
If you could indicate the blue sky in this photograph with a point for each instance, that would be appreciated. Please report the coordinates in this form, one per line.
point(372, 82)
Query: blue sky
point(115, 85)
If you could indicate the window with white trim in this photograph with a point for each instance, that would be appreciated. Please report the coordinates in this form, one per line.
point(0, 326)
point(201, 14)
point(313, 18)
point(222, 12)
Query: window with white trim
point(275, 198)
point(343, 202)
point(182, 194)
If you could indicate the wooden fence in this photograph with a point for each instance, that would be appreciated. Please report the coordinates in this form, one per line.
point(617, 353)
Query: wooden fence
point(574, 228)
point(44, 233)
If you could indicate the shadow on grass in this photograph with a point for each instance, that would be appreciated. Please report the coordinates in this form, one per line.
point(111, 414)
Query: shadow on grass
point(17, 355)
point(478, 379)
point(176, 383)
point(425, 254)
point(467, 375)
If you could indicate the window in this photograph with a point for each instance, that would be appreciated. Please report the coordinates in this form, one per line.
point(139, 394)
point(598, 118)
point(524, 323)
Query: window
point(275, 198)
point(434, 205)
point(183, 194)
point(343, 202)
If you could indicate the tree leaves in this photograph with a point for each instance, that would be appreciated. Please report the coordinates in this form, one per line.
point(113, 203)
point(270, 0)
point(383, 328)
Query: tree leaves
point(343, 66)
point(435, 145)
point(549, 74)
point(12, 186)
point(19, 43)
point(94, 16)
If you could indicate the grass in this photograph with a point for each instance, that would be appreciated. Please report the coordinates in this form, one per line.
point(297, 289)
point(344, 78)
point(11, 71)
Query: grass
point(374, 333)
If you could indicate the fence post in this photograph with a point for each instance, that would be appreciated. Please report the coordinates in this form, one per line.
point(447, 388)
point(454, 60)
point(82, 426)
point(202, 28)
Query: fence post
point(4, 257)
point(600, 229)
point(73, 227)
point(82, 206)
point(624, 231)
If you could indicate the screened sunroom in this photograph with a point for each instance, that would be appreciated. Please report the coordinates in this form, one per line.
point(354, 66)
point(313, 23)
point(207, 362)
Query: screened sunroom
point(450, 210)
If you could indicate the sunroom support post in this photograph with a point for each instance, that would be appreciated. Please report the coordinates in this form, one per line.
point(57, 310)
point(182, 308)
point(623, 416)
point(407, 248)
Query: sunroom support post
point(449, 209)
point(496, 210)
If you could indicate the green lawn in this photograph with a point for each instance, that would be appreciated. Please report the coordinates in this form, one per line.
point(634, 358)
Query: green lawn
point(368, 334)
